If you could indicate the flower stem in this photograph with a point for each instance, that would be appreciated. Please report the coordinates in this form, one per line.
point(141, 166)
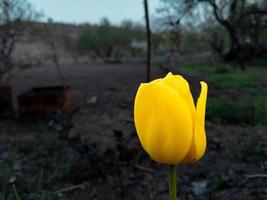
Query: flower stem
point(172, 182)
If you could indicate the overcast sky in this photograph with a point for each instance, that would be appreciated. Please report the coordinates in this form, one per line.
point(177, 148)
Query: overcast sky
point(79, 11)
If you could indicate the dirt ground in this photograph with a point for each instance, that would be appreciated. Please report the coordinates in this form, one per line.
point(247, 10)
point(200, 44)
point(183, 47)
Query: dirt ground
point(108, 160)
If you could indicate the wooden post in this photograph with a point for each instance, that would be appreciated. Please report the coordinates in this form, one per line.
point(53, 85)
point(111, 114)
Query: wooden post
point(148, 37)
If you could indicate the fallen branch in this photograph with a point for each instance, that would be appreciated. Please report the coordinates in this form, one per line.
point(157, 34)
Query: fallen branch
point(71, 188)
point(144, 168)
point(247, 177)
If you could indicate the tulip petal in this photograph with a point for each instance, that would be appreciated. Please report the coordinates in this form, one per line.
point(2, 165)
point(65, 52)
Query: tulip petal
point(184, 90)
point(163, 123)
point(180, 85)
point(199, 143)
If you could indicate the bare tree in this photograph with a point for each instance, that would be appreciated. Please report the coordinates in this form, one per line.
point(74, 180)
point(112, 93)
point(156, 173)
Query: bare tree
point(232, 15)
point(14, 16)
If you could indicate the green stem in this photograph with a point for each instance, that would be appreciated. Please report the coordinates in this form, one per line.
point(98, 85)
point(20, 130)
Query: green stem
point(15, 191)
point(172, 182)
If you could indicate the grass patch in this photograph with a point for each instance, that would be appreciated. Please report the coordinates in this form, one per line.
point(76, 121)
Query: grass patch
point(234, 78)
point(253, 112)
point(196, 69)
point(237, 81)
point(256, 63)
point(259, 73)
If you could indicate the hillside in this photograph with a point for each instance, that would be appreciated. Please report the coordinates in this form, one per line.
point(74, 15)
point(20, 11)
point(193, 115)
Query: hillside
point(34, 47)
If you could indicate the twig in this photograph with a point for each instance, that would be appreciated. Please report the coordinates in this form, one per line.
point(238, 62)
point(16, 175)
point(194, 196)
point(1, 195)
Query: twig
point(256, 176)
point(67, 189)
point(144, 168)
point(54, 53)
point(43, 196)
point(93, 192)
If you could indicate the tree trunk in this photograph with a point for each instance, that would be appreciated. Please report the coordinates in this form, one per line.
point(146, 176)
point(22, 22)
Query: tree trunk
point(234, 49)
point(148, 35)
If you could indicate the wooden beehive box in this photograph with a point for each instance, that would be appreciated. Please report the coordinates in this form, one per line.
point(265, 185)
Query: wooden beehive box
point(46, 100)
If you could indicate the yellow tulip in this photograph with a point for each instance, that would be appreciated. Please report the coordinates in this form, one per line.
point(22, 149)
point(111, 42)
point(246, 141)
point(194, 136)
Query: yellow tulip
point(169, 126)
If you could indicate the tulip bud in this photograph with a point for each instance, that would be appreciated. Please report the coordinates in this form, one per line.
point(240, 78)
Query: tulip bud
point(170, 128)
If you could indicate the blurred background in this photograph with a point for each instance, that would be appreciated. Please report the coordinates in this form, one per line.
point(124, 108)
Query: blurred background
point(69, 72)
